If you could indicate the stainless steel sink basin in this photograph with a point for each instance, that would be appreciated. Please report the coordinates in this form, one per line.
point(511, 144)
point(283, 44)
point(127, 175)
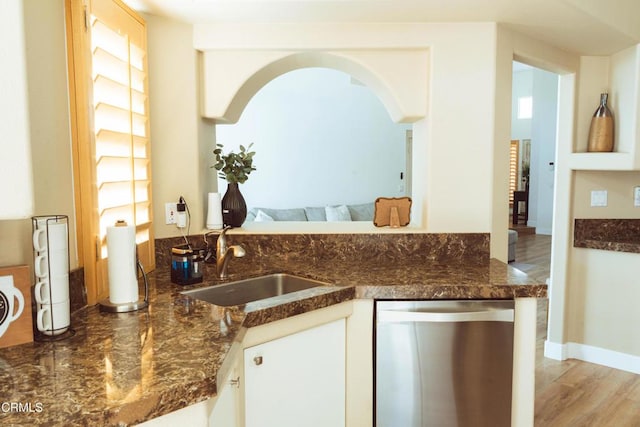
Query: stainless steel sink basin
point(253, 289)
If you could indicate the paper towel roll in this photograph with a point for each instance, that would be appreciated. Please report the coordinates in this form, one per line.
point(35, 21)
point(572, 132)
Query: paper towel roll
point(214, 213)
point(121, 248)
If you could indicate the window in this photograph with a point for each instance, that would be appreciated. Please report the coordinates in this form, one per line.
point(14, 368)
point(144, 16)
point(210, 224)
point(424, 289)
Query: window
point(525, 107)
point(108, 81)
point(513, 168)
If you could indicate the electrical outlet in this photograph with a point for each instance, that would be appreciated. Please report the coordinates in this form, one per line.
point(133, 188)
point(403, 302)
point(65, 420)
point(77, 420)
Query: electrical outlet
point(636, 196)
point(170, 213)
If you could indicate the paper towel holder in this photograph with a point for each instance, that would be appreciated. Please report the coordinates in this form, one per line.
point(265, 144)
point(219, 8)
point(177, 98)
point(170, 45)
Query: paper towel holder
point(110, 307)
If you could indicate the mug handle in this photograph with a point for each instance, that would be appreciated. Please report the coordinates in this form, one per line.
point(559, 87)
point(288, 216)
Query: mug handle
point(38, 266)
point(40, 317)
point(18, 295)
point(37, 290)
point(36, 240)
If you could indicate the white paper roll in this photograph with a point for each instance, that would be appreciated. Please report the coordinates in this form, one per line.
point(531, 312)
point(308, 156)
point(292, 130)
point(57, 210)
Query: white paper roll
point(214, 213)
point(121, 248)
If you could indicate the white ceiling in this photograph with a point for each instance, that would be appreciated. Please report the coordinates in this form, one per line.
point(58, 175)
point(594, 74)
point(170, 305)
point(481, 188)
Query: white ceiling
point(589, 27)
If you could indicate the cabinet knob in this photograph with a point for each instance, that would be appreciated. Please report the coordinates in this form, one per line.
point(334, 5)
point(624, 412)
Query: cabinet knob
point(257, 360)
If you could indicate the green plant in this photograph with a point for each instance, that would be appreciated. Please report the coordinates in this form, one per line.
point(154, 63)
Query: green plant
point(234, 167)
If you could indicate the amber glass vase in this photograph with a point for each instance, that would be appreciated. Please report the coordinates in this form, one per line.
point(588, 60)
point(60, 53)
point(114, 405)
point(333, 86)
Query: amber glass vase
point(601, 130)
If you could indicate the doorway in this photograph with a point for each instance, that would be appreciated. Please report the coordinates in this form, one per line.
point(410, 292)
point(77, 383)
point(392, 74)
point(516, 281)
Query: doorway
point(533, 130)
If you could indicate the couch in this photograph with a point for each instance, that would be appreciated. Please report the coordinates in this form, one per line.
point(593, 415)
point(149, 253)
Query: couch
point(359, 212)
point(513, 240)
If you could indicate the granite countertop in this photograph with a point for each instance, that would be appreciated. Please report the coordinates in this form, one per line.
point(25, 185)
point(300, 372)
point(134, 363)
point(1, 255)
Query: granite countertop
point(618, 235)
point(130, 367)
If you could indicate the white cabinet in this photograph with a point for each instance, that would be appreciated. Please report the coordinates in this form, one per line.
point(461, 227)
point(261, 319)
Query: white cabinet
point(225, 412)
point(297, 380)
point(219, 411)
point(193, 415)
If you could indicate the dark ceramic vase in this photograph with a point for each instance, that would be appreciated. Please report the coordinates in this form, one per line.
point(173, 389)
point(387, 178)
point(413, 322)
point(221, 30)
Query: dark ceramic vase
point(234, 208)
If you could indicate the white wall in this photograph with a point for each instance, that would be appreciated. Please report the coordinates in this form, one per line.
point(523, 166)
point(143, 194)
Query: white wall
point(542, 86)
point(602, 292)
point(320, 139)
point(16, 191)
point(43, 76)
point(181, 141)
point(453, 145)
point(543, 149)
point(590, 316)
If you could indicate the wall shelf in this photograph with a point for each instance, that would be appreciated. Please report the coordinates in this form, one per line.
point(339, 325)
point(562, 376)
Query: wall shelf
point(620, 73)
point(603, 161)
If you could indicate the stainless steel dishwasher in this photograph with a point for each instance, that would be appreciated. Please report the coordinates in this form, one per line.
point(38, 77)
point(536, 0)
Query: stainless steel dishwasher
point(443, 363)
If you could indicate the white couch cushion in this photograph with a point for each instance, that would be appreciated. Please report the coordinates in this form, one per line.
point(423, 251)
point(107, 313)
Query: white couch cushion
point(337, 213)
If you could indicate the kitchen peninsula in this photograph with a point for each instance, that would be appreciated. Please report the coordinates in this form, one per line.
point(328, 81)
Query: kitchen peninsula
point(129, 368)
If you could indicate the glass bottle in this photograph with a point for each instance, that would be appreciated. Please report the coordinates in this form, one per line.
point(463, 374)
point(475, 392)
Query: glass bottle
point(601, 130)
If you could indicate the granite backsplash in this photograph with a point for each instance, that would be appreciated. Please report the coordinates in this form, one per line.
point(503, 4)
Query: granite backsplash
point(620, 235)
point(439, 247)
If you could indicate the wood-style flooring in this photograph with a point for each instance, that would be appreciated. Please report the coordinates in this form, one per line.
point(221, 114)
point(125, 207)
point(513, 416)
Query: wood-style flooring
point(572, 392)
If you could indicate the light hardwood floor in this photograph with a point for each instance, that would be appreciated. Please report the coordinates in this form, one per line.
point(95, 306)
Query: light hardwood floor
point(572, 392)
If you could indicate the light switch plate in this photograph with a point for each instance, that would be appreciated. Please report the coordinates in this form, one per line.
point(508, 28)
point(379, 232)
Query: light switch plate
point(636, 196)
point(599, 198)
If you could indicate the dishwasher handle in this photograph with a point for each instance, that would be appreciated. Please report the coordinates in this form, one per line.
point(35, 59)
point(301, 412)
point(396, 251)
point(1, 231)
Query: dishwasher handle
point(501, 315)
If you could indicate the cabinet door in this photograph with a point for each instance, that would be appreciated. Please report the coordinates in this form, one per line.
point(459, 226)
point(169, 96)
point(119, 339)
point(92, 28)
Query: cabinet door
point(226, 407)
point(195, 415)
point(298, 380)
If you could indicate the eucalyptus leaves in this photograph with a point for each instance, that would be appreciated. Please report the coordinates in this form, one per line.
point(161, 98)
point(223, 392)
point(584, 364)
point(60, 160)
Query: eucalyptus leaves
point(234, 167)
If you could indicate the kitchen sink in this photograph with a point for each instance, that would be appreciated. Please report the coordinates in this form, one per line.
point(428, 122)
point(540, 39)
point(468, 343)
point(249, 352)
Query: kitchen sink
point(253, 289)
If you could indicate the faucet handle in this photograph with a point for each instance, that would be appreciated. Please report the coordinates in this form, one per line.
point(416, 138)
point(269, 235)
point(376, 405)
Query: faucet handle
point(238, 251)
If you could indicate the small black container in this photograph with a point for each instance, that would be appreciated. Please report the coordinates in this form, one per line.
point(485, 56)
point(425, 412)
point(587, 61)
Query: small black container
point(186, 265)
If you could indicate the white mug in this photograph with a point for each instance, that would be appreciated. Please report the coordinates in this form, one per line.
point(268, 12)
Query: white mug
point(57, 235)
point(40, 240)
point(58, 262)
point(53, 319)
point(53, 263)
point(52, 290)
point(41, 266)
point(9, 293)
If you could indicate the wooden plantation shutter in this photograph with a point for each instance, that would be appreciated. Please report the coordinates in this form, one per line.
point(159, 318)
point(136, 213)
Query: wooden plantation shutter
point(513, 168)
point(113, 144)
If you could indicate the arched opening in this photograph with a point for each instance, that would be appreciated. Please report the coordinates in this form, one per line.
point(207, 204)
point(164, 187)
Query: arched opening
point(322, 138)
point(336, 61)
point(399, 80)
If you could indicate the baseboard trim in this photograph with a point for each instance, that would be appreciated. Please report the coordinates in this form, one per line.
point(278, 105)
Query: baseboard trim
point(543, 231)
point(597, 355)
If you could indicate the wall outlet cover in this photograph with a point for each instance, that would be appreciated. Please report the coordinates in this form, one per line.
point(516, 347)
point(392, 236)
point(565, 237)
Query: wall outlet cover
point(636, 196)
point(170, 213)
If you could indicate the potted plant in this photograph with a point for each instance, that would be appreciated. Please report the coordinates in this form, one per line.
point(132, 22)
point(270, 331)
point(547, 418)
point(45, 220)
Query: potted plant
point(235, 169)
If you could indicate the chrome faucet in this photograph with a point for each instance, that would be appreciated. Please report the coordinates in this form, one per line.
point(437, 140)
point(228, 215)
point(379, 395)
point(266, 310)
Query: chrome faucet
point(224, 253)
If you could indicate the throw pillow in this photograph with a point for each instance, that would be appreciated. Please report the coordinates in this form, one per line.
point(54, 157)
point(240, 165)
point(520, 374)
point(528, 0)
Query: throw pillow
point(316, 214)
point(337, 213)
point(262, 217)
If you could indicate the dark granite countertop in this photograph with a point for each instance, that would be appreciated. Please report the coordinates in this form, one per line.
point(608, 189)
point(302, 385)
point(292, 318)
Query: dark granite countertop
point(130, 367)
point(619, 235)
